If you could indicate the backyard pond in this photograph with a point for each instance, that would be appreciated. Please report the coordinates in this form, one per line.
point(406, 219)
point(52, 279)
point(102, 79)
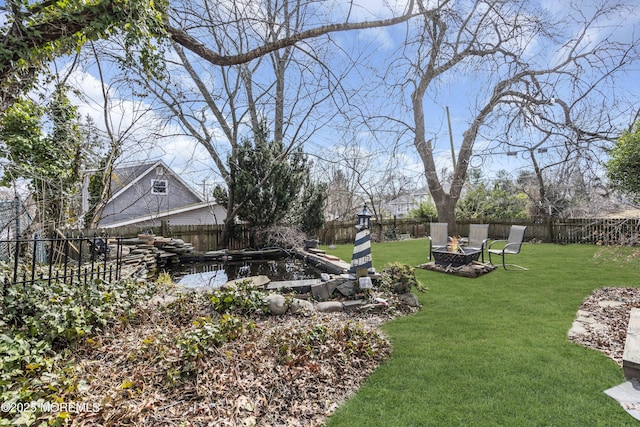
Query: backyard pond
point(216, 274)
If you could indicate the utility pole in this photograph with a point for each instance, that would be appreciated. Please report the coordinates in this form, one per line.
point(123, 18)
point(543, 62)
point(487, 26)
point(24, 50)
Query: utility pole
point(453, 152)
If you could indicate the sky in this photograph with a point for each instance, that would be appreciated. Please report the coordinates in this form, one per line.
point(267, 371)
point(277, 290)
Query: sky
point(193, 163)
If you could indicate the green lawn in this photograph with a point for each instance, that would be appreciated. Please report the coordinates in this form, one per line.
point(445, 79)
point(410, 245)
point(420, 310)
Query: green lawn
point(493, 351)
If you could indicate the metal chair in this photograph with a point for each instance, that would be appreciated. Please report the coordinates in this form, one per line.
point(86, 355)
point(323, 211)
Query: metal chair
point(478, 238)
point(438, 236)
point(512, 245)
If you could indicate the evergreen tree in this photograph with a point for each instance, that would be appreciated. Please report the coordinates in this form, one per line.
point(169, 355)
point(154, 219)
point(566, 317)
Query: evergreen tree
point(503, 199)
point(310, 208)
point(273, 186)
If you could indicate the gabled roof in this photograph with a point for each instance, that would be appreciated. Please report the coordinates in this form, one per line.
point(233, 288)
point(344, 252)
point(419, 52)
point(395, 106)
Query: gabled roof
point(162, 215)
point(125, 176)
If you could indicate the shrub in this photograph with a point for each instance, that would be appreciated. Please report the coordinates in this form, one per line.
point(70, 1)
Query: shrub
point(304, 344)
point(208, 334)
point(400, 278)
point(40, 322)
point(242, 297)
point(426, 211)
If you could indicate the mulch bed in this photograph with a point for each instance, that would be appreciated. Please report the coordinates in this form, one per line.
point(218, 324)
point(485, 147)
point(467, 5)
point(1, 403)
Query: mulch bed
point(289, 370)
point(613, 320)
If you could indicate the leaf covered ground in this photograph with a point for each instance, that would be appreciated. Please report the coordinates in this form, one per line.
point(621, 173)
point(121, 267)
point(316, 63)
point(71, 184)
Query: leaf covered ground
point(609, 308)
point(183, 364)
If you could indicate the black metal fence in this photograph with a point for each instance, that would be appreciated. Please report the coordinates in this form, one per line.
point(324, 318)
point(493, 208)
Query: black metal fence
point(72, 260)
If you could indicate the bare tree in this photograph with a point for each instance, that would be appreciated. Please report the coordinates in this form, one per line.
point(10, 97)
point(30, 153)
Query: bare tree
point(182, 34)
point(563, 118)
point(340, 201)
point(361, 175)
point(497, 49)
point(33, 34)
point(117, 124)
point(270, 73)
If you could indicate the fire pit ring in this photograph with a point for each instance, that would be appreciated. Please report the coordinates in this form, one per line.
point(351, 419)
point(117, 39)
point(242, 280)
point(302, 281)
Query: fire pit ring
point(456, 259)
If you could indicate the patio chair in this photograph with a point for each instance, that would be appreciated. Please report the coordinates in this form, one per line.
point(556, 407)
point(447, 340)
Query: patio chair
point(478, 238)
point(511, 246)
point(438, 236)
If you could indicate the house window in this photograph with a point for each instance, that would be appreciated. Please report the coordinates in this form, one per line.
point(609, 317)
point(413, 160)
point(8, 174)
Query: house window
point(158, 186)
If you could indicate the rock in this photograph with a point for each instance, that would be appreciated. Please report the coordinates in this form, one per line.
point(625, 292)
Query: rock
point(353, 305)
point(347, 288)
point(373, 308)
point(577, 329)
point(277, 304)
point(297, 286)
point(329, 307)
point(301, 306)
point(409, 299)
point(608, 304)
point(322, 291)
point(164, 299)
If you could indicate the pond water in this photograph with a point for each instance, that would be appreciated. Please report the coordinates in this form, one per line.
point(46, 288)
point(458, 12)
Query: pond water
point(216, 274)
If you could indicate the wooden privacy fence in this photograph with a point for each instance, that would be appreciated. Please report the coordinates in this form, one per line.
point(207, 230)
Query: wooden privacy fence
point(584, 230)
point(202, 237)
point(599, 231)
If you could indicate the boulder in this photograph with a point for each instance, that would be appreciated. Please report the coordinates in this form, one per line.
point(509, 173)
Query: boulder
point(277, 304)
point(320, 291)
point(257, 282)
point(409, 299)
point(347, 288)
point(301, 306)
point(329, 307)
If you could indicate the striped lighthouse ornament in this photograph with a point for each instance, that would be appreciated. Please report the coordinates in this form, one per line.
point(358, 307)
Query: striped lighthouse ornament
point(361, 258)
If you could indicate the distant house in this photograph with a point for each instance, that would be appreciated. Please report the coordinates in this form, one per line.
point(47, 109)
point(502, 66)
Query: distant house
point(402, 205)
point(15, 222)
point(146, 194)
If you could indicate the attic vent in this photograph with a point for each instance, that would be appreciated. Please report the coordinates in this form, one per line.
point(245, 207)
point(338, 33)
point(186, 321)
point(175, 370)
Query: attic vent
point(159, 186)
point(159, 171)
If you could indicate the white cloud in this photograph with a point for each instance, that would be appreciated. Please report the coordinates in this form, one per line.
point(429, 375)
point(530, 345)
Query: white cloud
point(146, 135)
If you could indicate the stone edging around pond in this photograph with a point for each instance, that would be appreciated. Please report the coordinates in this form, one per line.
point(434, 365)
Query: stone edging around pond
point(323, 292)
point(279, 304)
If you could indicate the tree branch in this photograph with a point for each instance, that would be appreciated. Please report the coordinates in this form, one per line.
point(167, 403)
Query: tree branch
point(197, 47)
